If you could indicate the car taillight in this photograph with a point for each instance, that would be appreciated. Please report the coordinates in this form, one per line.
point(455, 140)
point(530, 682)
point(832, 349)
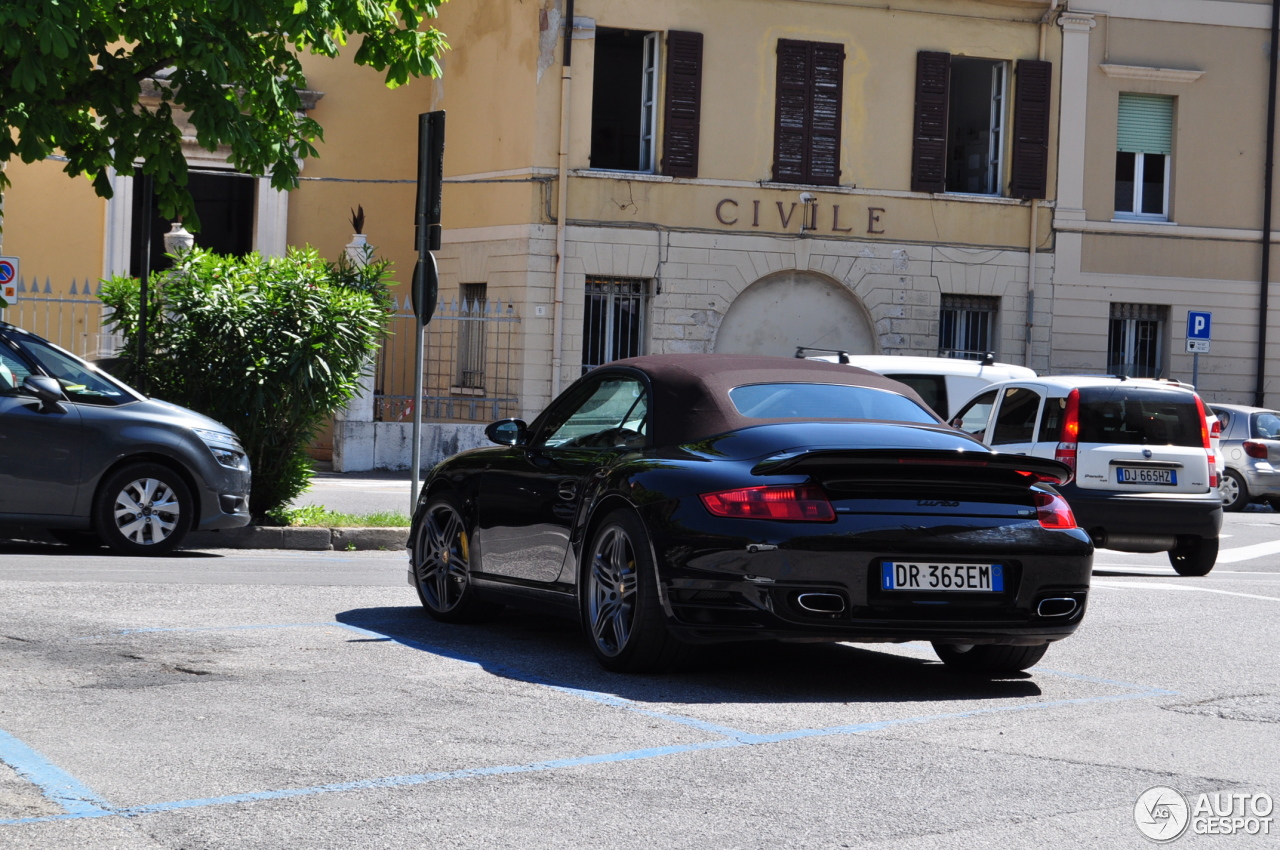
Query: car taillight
point(801, 504)
point(1208, 444)
point(1255, 449)
point(1066, 451)
point(1054, 512)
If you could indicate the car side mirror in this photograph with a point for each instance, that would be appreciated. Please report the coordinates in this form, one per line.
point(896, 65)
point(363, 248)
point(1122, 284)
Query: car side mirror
point(507, 432)
point(48, 390)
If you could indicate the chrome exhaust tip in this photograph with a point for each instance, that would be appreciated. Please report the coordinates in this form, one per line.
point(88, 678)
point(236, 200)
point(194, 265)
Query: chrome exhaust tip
point(1058, 606)
point(821, 603)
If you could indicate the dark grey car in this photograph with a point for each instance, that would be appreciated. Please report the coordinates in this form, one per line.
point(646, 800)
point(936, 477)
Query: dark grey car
point(82, 452)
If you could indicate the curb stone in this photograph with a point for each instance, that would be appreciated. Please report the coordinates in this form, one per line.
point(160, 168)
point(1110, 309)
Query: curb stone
point(305, 539)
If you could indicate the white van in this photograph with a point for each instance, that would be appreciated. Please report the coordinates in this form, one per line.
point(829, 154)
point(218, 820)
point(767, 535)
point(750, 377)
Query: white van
point(943, 382)
point(1145, 473)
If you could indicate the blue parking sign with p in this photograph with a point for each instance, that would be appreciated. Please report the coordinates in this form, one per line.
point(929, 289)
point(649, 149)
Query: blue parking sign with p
point(1199, 325)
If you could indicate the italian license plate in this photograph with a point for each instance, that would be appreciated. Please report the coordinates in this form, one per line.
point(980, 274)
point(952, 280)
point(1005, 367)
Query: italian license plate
point(1139, 475)
point(922, 575)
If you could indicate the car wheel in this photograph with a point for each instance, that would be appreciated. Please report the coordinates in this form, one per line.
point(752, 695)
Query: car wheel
point(1194, 556)
point(1235, 494)
point(621, 612)
point(441, 559)
point(989, 659)
point(144, 509)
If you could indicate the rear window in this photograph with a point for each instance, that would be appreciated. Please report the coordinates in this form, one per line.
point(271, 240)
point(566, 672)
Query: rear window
point(1136, 416)
point(931, 388)
point(825, 401)
point(1264, 426)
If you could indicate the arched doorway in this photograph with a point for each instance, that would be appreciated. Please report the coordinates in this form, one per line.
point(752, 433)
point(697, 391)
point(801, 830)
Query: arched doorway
point(779, 312)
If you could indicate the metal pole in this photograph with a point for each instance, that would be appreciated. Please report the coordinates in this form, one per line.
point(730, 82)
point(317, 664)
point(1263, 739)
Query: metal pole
point(1195, 369)
point(417, 416)
point(1259, 392)
point(144, 254)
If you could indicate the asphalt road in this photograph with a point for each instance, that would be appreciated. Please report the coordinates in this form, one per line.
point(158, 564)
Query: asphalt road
point(301, 700)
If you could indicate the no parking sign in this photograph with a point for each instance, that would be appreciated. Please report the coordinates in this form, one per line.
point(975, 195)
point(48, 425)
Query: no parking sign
point(9, 278)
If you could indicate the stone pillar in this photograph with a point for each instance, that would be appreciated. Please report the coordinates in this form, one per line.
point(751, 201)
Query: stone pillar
point(1073, 113)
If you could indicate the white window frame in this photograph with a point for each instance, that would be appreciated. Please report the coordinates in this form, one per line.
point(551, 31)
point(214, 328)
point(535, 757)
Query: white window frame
point(1139, 166)
point(649, 104)
point(999, 87)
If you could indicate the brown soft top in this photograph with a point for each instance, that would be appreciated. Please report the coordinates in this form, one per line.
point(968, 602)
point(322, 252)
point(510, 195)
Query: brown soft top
point(691, 391)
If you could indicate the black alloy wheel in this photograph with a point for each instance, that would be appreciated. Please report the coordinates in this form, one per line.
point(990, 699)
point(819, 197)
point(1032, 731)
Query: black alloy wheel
point(144, 509)
point(1235, 493)
point(1194, 556)
point(441, 558)
point(989, 659)
point(621, 612)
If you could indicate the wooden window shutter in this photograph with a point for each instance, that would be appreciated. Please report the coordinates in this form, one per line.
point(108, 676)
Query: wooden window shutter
point(826, 93)
point(933, 96)
point(810, 94)
point(1031, 130)
point(791, 113)
point(682, 118)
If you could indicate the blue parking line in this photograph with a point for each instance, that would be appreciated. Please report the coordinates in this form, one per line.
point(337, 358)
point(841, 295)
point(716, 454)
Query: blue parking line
point(54, 783)
point(80, 802)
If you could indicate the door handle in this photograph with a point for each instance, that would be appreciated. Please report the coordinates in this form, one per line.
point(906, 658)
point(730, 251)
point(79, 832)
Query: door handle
point(568, 488)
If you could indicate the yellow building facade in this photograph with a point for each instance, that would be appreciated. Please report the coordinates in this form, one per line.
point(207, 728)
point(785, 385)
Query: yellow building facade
point(744, 176)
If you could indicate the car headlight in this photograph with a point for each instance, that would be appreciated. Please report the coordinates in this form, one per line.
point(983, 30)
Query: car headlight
point(226, 449)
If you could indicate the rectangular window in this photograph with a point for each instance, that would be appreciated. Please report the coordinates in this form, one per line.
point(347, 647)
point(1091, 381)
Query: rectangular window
point(966, 326)
point(961, 116)
point(624, 100)
point(1144, 148)
point(1135, 344)
point(471, 336)
point(809, 95)
point(975, 137)
point(615, 320)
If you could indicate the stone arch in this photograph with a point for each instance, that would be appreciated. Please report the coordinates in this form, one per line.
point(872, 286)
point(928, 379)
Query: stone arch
point(787, 309)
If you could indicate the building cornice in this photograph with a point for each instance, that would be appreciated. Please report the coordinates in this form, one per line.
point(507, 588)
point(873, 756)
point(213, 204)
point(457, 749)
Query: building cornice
point(1167, 230)
point(1077, 21)
point(1206, 12)
point(1139, 72)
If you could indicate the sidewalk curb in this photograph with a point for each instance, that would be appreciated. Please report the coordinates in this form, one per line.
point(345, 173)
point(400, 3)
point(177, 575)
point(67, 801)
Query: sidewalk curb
point(305, 539)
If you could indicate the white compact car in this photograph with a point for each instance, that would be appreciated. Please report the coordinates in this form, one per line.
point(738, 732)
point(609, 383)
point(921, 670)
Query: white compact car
point(1145, 475)
point(943, 382)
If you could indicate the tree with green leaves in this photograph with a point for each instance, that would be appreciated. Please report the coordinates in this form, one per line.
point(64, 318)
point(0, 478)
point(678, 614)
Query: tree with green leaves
point(72, 73)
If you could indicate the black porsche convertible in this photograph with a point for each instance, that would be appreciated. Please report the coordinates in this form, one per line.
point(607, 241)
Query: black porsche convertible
point(671, 500)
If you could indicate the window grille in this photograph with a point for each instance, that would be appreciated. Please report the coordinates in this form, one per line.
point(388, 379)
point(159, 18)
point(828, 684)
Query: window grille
point(1135, 344)
point(966, 326)
point(471, 336)
point(615, 320)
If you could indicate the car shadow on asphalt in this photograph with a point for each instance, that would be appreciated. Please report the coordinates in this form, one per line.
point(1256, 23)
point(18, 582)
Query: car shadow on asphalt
point(39, 547)
point(552, 651)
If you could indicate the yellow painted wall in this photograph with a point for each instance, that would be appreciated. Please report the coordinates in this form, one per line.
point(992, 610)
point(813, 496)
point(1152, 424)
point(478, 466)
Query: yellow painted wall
point(54, 224)
point(1219, 120)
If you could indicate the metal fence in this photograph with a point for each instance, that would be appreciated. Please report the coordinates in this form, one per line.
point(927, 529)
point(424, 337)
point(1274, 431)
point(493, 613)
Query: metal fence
point(74, 321)
point(469, 368)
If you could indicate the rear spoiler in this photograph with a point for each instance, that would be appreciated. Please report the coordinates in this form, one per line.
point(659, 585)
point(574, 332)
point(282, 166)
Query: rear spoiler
point(910, 463)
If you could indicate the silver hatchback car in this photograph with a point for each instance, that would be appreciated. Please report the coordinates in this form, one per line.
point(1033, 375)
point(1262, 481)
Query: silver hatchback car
point(1251, 447)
